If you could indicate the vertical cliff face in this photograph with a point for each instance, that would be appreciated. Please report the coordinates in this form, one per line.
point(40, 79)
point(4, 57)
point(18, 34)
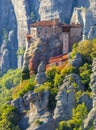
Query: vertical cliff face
point(8, 36)
point(16, 15)
point(87, 17)
point(56, 8)
point(21, 9)
point(60, 8)
point(14, 21)
point(48, 9)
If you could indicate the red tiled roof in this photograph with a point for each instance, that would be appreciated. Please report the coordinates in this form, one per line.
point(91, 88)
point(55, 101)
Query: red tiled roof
point(48, 23)
point(58, 58)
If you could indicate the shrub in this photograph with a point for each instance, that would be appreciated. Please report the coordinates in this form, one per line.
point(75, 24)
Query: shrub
point(10, 79)
point(38, 122)
point(51, 74)
point(41, 88)
point(58, 80)
point(25, 74)
point(24, 87)
point(7, 120)
point(85, 72)
point(78, 115)
point(68, 69)
point(21, 51)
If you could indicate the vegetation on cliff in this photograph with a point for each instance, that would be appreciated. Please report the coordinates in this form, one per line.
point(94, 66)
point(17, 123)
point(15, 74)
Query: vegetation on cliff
point(8, 81)
point(9, 116)
point(12, 86)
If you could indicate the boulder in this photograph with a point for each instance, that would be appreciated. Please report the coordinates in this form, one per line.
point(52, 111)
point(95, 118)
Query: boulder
point(65, 103)
point(77, 61)
point(87, 100)
point(41, 76)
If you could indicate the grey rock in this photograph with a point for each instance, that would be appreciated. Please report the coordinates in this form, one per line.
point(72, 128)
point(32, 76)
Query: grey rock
point(5, 61)
point(66, 97)
point(41, 76)
point(36, 105)
point(71, 78)
point(87, 100)
point(91, 118)
point(86, 17)
point(59, 9)
point(20, 61)
point(41, 67)
point(65, 103)
point(77, 61)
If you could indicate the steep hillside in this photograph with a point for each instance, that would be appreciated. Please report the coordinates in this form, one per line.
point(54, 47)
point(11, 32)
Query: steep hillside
point(42, 99)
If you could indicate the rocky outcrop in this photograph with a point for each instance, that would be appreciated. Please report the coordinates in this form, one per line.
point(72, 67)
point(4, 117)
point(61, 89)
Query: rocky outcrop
point(65, 103)
point(8, 36)
point(38, 116)
point(41, 76)
point(18, 16)
point(87, 100)
point(48, 10)
point(87, 18)
point(59, 8)
point(66, 97)
point(77, 61)
point(91, 119)
point(42, 50)
point(13, 29)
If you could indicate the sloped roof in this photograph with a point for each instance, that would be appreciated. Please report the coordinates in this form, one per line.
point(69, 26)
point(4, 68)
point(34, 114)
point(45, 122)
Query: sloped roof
point(48, 23)
point(58, 58)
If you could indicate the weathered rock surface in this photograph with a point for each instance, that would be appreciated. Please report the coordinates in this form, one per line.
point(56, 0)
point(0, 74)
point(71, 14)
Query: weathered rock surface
point(15, 18)
point(18, 17)
point(77, 61)
point(66, 97)
point(36, 105)
point(7, 36)
point(37, 116)
point(91, 119)
point(43, 51)
point(63, 9)
point(41, 75)
point(87, 17)
point(87, 100)
point(65, 103)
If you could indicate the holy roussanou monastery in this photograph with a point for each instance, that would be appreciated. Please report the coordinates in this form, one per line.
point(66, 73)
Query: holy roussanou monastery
point(67, 33)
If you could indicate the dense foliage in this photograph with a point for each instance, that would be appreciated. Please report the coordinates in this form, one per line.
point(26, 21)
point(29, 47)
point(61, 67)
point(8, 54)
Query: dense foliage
point(86, 48)
point(78, 115)
point(24, 87)
point(8, 81)
point(9, 118)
